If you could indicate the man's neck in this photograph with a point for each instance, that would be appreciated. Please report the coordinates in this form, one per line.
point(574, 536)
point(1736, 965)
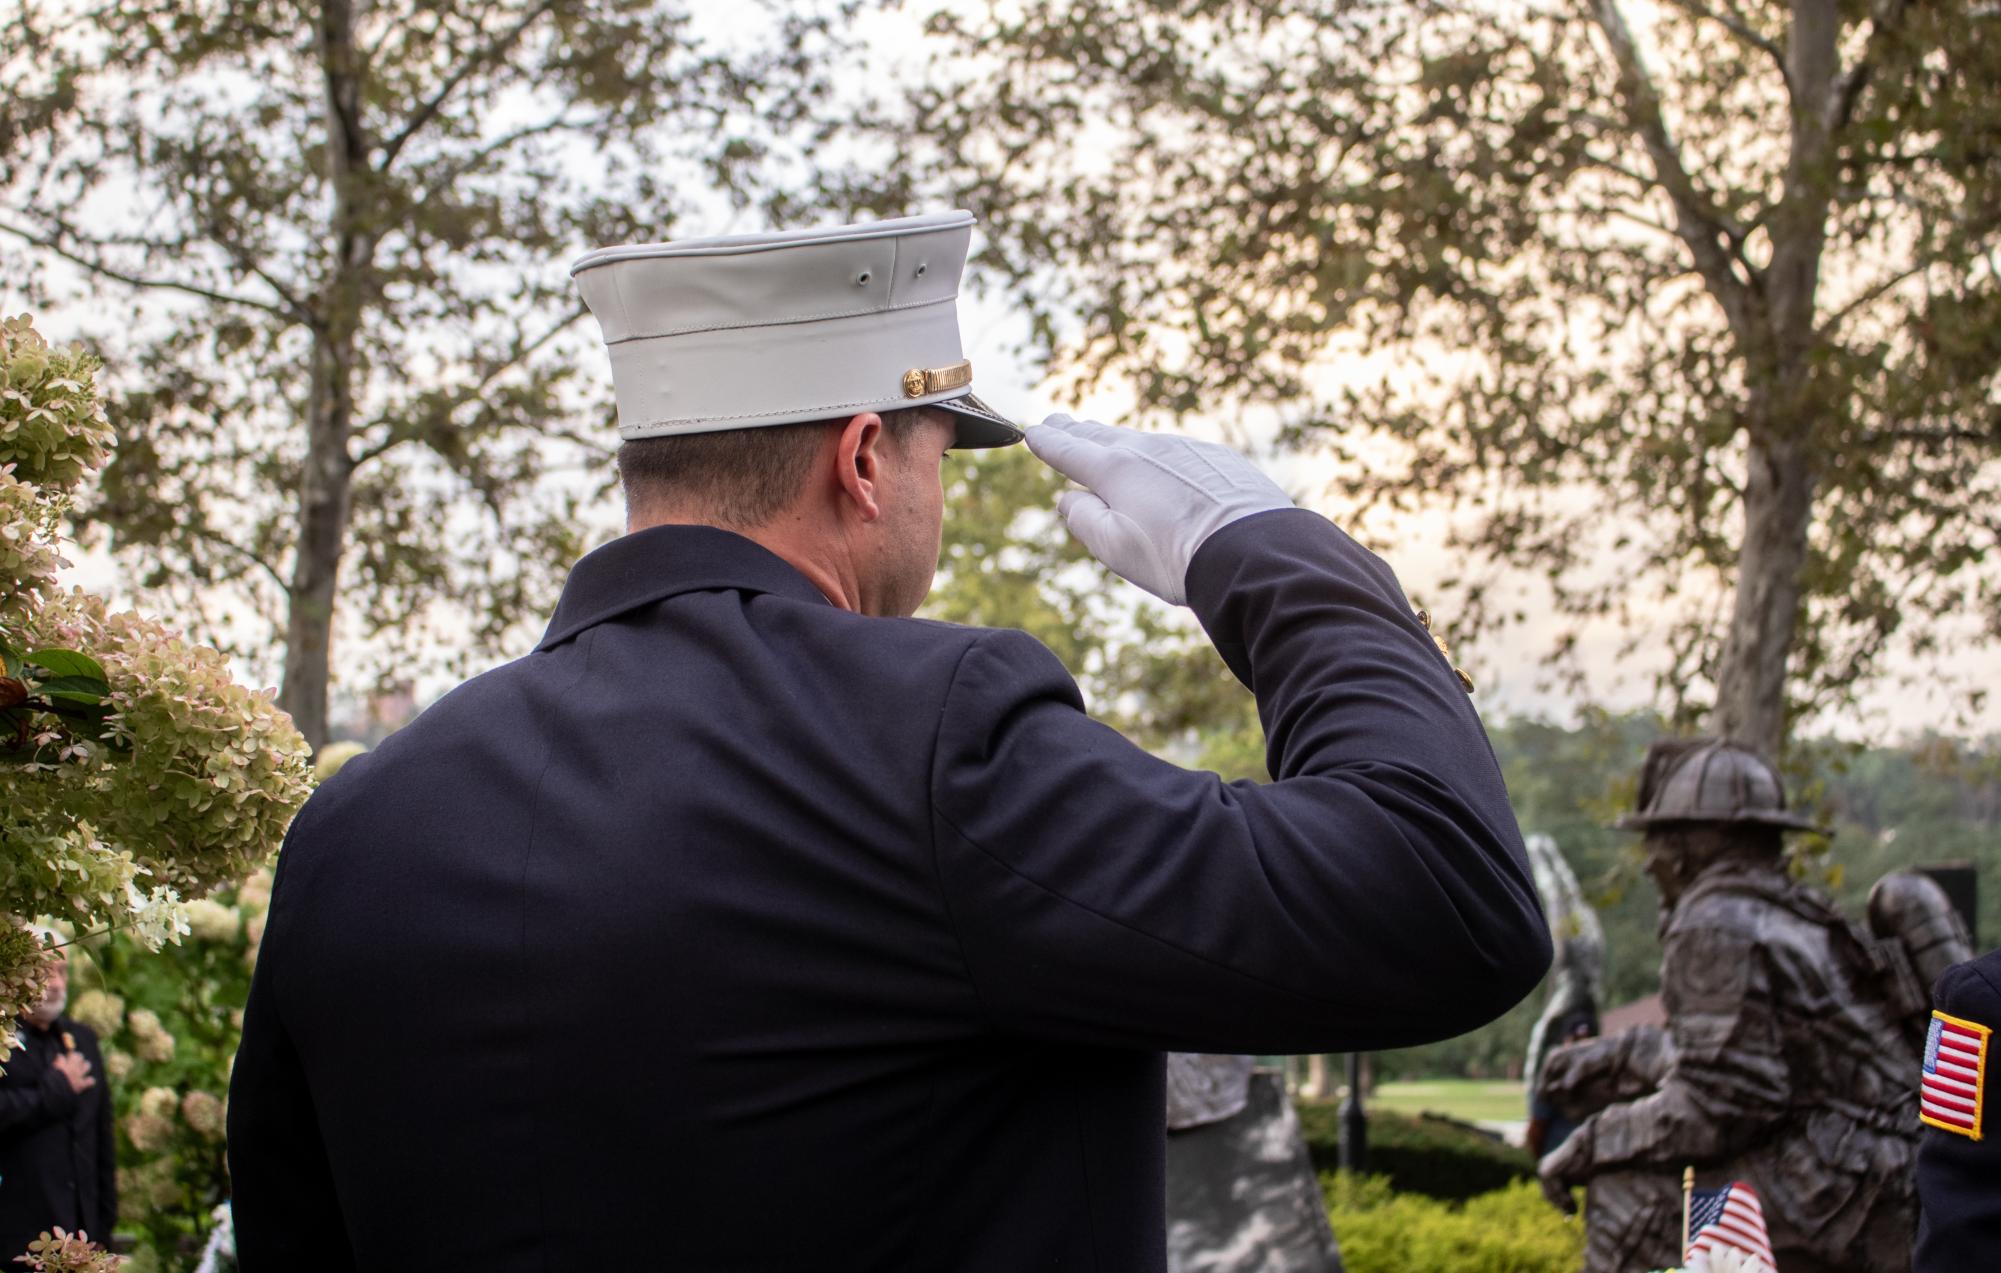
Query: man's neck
point(802, 547)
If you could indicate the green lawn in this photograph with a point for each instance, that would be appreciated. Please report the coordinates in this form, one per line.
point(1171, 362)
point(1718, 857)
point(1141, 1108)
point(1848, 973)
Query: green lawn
point(1475, 1100)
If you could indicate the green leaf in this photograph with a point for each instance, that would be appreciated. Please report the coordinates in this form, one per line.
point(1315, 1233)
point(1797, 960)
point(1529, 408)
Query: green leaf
point(77, 689)
point(10, 658)
point(79, 709)
point(68, 663)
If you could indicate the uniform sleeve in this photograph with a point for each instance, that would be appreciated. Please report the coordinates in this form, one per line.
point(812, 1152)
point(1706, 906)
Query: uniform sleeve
point(1730, 1081)
point(1376, 894)
point(30, 1108)
point(286, 1213)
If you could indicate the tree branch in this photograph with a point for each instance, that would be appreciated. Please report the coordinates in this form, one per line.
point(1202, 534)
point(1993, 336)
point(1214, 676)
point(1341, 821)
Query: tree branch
point(493, 371)
point(244, 262)
point(102, 270)
point(1874, 294)
point(215, 538)
point(431, 105)
point(1937, 437)
point(1701, 225)
point(452, 172)
point(1884, 22)
point(1736, 24)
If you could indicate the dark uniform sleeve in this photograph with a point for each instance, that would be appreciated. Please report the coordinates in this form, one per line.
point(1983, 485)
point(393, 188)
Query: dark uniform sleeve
point(287, 1216)
point(27, 1109)
point(1376, 894)
point(1959, 1203)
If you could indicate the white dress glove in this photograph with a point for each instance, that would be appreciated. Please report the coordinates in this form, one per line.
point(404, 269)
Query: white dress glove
point(1150, 498)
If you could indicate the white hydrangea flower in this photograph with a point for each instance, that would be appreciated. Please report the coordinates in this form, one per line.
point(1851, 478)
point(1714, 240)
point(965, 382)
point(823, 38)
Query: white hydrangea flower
point(149, 1038)
point(158, 917)
point(203, 1111)
point(212, 921)
point(101, 1011)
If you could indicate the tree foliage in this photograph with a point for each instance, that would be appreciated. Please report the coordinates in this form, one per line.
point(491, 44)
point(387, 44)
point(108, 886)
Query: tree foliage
point(346, 227)
point(1698, 318)
point(134, 771)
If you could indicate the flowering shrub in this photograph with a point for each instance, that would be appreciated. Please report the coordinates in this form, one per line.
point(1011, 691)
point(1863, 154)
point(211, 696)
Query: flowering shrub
point(60, 1252)
point(136, 772)
point(169, 1023)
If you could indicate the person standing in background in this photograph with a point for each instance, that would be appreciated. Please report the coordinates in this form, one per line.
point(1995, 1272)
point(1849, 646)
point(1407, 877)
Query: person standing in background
point(57, 1156)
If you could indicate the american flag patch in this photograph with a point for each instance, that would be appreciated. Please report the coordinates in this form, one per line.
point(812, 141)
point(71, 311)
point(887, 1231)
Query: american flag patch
point(1955, 1073)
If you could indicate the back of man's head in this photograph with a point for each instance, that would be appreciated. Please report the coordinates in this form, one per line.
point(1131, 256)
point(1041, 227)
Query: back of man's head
point(738, 479)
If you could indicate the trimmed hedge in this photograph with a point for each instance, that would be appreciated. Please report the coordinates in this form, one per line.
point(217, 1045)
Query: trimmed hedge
point(1511, 1230)
point(1423, 1154)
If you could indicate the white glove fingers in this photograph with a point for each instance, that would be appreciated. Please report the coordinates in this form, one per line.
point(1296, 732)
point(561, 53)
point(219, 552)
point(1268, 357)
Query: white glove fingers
point(1153, 498)
point(1116, 540)
point(1073, 457)
point(1102, 434)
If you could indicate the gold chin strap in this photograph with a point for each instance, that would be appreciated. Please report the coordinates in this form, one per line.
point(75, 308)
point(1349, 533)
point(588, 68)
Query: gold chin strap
point(919, 381)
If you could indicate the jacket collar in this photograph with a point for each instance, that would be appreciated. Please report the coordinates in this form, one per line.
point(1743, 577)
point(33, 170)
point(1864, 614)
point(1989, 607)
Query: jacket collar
point(664, 561)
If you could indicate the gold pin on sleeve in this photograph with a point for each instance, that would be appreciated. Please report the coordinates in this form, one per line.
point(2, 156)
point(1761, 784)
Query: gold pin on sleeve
point(1424, 620)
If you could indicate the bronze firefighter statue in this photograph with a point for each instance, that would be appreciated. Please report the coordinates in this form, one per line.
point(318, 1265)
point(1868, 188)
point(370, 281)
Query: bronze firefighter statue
point(1792, 1037)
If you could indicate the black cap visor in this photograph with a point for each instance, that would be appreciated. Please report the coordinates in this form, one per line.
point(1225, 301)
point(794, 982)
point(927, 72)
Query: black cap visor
point(978, 425)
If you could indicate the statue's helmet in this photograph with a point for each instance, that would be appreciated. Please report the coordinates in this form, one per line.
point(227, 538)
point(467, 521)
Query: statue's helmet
point(1709, 780)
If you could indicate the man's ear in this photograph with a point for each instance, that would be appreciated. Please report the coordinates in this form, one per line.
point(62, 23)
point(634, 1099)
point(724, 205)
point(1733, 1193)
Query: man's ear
point(858, 463)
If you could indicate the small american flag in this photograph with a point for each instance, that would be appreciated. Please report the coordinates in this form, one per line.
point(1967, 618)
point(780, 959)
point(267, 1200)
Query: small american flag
point(1955, 1067)
point(1727, 1219)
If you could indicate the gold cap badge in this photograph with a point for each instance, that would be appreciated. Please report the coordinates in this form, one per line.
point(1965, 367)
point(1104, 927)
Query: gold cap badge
point(919, 381)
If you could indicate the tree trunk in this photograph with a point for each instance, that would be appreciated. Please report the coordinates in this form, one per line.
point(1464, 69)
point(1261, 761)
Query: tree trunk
point(1751, 681)
point(323, 510)
point(325, 483)
point(1751, 702)
point(1319, 1083)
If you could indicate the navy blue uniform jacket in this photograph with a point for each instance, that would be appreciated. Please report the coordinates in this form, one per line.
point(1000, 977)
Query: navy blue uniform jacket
point(731, 930)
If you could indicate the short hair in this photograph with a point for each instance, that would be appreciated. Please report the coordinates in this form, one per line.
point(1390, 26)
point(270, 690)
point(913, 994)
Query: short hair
point(739, 478)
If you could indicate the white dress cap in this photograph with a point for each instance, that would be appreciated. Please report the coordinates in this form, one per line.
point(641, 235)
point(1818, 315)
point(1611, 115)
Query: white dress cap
point(746, 330)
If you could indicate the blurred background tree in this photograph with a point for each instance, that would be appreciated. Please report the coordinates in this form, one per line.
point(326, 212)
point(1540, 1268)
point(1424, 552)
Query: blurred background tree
point(344, 226)
point(1696, 317)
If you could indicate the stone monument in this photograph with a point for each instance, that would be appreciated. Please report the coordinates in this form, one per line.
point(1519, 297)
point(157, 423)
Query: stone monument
point(1242, 1196)
point(1576, 982)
